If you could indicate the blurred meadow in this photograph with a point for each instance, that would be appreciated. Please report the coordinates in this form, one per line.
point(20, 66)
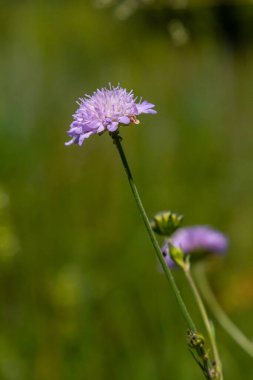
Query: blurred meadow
point(81, 296)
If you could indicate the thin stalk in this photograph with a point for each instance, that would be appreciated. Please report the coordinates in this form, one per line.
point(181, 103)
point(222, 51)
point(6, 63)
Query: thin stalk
point(219, 313)
point(117, 141)
point(206, 321)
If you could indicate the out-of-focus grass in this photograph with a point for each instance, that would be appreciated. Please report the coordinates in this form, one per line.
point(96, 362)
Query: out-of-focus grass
point(81, 296)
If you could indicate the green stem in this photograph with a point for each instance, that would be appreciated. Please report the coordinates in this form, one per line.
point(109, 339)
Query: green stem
point(221, 316)
point(117, 141)
point(206, 321)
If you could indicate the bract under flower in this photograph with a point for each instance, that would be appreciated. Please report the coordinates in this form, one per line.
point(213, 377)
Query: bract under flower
point(106, 110)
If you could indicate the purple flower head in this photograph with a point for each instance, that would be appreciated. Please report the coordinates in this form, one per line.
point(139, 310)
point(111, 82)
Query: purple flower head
point(106, 110)
point(198, 241)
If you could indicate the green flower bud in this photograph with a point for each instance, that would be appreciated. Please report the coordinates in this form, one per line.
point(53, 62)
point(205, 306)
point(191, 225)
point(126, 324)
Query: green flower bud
point(195, 340)
point(166, 222)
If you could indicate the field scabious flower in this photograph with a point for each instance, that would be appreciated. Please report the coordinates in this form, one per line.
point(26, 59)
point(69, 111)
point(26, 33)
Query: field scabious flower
point(106, 110)
point(198, 241)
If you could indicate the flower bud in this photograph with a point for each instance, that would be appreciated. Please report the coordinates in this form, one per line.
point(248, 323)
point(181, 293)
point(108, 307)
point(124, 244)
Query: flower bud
point(166, 222)
point(195, 339)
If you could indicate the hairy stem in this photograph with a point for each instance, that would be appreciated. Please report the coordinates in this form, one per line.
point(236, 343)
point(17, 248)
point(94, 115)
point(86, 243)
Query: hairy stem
point(117, 141)
point(206, 321)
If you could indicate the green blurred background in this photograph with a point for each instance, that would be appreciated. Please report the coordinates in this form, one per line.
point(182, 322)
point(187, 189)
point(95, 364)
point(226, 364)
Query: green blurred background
point(81, 296)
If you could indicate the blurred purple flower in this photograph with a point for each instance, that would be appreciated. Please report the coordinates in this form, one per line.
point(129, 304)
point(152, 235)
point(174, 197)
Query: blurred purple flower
point(106, 109)
point(198, 241)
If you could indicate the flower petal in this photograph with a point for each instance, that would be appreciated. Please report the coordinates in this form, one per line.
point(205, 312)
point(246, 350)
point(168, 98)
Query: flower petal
point(145, 107)
point(124, 120)
point(70, 142)
point(100, 129)
point(83, 137)
point(105, 109)
point(112, 127)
